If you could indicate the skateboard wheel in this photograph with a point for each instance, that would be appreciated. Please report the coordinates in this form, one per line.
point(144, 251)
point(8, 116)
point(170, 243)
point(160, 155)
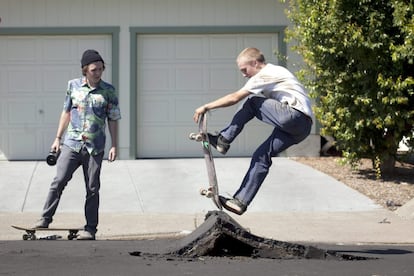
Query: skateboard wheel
point(199, 137)
point(25, 237)
point(206, 192)
point(196, 136)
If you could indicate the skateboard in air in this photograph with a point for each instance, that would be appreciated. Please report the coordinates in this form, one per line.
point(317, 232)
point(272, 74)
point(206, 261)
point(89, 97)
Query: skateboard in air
point(212, 191)
point(31, 232)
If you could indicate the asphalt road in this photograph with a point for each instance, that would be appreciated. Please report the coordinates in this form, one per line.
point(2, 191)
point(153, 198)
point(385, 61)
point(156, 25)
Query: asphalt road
point(62, 257)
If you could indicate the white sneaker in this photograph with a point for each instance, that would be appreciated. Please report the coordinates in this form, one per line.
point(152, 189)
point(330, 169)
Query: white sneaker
point(41, 223)
point(86, 236)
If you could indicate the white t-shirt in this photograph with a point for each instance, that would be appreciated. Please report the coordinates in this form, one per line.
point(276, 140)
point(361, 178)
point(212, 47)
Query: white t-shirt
point(276, 82)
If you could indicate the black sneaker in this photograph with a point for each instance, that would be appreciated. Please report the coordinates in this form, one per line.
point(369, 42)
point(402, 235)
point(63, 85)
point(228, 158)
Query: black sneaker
point(233, 205)
point(219, 143)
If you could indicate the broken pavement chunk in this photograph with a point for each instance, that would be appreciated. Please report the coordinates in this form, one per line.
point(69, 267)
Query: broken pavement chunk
point(221, 236)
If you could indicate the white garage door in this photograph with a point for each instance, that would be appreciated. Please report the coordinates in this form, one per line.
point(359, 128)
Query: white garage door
point(34, 73)
point(178, 73)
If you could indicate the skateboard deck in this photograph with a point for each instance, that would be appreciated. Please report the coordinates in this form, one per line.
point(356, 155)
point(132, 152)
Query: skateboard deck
point(31, 232)
point(212, 191)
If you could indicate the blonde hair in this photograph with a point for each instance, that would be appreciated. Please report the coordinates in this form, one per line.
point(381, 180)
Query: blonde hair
point(251, 54)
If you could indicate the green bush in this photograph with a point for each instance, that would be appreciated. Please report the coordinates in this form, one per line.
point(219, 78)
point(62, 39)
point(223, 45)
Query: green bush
point(358, 57)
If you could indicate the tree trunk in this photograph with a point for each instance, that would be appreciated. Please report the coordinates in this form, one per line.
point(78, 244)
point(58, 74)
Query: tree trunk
point(388, 165)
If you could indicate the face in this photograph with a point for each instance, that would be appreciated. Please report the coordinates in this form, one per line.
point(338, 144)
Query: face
point(94, 72)
point(248, 68)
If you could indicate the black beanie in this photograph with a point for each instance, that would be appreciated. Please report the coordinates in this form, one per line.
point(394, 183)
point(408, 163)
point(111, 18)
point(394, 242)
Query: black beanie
point(90, 56)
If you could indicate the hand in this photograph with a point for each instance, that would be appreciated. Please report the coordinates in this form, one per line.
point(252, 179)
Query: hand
point(112, 154)
point(198, 112)
point(55, 147)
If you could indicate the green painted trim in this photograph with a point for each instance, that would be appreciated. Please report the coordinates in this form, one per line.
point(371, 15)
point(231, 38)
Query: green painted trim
point(135, 31)
point(132, 95)
point(115, 59)
point(207, 29)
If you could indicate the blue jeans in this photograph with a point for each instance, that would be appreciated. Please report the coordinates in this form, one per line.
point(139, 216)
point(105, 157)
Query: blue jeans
point(67, 163)
point(290, 127)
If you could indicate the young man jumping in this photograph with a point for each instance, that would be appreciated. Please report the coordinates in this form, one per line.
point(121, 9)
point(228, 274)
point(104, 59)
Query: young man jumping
point(274, 96)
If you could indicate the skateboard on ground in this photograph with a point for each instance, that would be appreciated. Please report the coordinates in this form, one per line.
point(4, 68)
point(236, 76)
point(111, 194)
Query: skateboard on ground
point(212, 191)
point(31, 232)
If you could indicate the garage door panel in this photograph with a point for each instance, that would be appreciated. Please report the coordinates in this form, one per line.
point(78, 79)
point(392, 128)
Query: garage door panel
point(253, 137)
point(184, 109)
point(154, 47)
point(259, 135)
point(159, 137)
point(220, 118)
point(191, 70)
point(23, 144)
point(154, 77)
point(60, 74)
point(47, 139)
point(22, 112)
point(19, 50)
point(50, 112)
point(22, 81)
point(189, 47)
point(216, 80)
point(223, 47)
point(184, 147)
point(56, 51)
point(155, 110)
point(189, 77)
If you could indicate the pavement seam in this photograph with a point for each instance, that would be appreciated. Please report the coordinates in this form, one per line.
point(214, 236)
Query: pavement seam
point(28, 187)
point(137, 192)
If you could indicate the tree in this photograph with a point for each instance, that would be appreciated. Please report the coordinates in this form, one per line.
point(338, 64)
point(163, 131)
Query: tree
point(358, 57)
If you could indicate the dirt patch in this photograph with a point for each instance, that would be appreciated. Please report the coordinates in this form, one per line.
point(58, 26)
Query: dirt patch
point(392, 191)
point(222, 236)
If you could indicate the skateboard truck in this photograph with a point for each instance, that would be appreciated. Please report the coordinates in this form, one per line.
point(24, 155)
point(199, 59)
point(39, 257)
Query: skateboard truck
point(206, 192)
point(212, 191)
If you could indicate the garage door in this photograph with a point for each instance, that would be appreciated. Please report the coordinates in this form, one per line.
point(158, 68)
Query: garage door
point(34, 73)
point(178, 73)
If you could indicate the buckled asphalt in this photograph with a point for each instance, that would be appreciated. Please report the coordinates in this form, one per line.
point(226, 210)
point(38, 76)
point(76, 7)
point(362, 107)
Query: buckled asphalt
point(153, 198)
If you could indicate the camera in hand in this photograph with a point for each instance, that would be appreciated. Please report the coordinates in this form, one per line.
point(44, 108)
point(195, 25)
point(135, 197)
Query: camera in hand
point(52, 158)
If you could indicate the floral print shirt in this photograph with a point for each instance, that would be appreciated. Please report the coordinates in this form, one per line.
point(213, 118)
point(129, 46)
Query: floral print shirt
point(89, 109)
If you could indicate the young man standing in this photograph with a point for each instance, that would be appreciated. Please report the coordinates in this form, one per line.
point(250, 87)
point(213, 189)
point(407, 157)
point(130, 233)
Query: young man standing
point(274, 96)
point(89, 104)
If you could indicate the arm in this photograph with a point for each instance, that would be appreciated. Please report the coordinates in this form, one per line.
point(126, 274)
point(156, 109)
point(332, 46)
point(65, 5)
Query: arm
point(113, 131)
point(228, 100)
point(63, 124)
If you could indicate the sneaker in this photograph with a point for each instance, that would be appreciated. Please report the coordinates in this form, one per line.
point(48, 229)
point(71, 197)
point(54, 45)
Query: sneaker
point(41, 223)
point(233, 205)
point(219, 143)
point(86, 236)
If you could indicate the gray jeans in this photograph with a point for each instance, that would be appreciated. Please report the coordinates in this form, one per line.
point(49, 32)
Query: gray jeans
point(67, 163)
